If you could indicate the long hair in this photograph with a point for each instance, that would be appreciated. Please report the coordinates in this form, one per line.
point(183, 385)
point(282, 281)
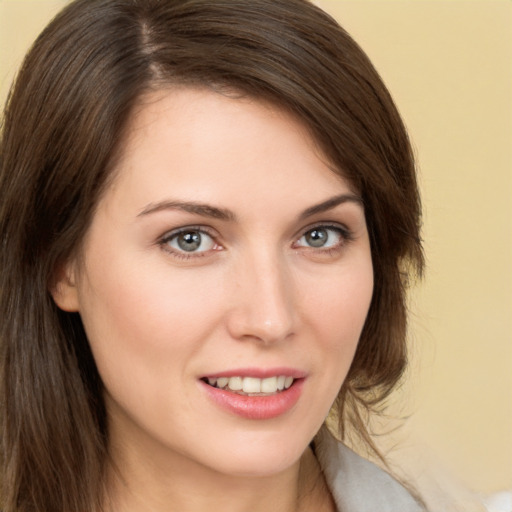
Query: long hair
point(62, 127)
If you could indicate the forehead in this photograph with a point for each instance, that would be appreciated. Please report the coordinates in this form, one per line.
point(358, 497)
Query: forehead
point(197, 143)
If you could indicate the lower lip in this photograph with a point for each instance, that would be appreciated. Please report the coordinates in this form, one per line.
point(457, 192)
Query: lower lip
point(256, 407)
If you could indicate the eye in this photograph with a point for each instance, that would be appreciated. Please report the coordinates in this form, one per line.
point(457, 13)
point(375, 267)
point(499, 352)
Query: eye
point(189, 240)
point(323, 237)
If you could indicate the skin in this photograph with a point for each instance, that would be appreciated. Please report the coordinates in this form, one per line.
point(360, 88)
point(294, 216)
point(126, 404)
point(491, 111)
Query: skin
point(254, 294)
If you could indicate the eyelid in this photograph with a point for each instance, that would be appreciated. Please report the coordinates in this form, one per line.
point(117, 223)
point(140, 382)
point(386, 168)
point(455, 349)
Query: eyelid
point(345, 234)
point(164, 240)
point(338, 226)
point(183, 229)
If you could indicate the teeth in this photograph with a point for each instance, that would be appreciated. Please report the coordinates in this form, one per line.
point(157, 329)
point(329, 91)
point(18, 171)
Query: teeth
point(269, 385)
point(235, 383)
point(252, 385)
point(222, 382)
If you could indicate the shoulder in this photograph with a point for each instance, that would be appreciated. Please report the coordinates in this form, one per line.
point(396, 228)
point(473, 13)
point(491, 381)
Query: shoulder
point(358, 485)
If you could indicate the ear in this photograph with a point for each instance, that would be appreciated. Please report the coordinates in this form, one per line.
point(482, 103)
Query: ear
point(63, 288)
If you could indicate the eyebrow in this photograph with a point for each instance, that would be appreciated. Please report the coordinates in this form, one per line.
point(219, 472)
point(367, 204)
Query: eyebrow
point(331, 203)
point(206, 210)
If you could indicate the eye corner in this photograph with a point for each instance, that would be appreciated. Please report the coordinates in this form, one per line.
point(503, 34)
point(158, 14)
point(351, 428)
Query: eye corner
point(189, 246)
point(324, 237)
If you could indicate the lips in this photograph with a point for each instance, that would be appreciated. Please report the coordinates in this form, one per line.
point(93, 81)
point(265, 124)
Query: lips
point(255, 394)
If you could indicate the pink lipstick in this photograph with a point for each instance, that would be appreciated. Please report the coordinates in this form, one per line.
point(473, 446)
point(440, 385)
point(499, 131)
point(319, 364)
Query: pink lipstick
point(255, 394)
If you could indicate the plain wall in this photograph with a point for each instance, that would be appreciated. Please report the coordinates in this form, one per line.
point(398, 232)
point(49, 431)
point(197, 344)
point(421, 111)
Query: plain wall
point(448, 64)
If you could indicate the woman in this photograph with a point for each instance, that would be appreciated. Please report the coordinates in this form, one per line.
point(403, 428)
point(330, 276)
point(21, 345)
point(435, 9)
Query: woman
point(208, 212)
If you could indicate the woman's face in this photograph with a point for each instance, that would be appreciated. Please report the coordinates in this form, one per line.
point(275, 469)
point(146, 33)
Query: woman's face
point(225, 255)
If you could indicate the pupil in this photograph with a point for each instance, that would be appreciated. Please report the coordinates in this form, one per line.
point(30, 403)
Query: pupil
point(317, 237)
point(189, 241)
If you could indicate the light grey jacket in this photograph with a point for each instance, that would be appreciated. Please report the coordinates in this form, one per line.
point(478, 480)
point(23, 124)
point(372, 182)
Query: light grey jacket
point(358, 485)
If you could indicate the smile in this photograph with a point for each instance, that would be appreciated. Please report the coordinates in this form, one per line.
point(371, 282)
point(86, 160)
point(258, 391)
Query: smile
point(254, 398)
point(252, 386)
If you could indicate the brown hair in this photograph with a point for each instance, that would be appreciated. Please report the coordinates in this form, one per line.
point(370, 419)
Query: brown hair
point(62, 125)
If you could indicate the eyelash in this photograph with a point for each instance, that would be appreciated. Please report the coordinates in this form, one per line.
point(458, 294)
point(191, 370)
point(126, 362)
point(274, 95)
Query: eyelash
point(168, 237)
point(344, 233)
point(346, 236)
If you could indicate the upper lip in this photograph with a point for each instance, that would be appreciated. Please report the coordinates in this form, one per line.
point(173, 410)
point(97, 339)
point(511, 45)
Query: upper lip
point(259, 373)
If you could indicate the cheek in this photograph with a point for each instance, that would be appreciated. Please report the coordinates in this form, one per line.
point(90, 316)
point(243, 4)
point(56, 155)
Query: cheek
point(340, 306)
point(338, 313)
point(334, 311)
point(144, 320)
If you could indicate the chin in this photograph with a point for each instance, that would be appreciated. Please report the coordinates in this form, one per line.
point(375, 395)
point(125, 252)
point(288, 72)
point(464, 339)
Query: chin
point(260, 456)
point(259, 466)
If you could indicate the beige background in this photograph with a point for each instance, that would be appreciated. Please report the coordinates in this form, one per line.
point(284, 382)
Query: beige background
point(448, 65)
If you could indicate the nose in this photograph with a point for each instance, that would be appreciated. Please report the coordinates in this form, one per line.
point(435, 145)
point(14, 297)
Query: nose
point(263, 301)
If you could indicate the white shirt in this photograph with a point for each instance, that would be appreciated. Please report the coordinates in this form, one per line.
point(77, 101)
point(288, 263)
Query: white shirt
point(356, 484)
